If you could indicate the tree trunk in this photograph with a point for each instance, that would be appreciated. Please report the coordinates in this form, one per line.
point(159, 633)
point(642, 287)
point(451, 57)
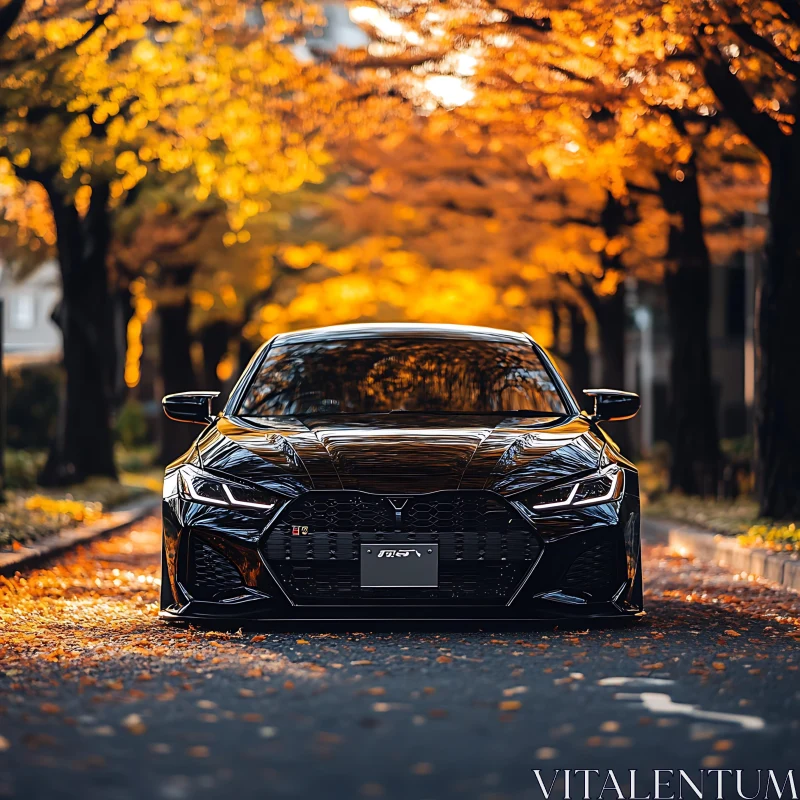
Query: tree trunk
point(246, 352)
point(177, 371)
point(693, 436)
point(122, 311)
point(777, 334)
point(84, 441)
point(778, 341)
point(215, 339)
point(555, 327)
point(612, 324)
point(579, 362)
point(611, 314)
point(610, 310)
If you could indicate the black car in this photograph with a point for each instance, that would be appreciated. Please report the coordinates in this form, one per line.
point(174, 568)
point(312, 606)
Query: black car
point(401, 472)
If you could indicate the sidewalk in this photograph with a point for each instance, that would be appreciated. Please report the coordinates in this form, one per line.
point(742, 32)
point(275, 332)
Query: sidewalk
point(725, 551)
point(28, 556)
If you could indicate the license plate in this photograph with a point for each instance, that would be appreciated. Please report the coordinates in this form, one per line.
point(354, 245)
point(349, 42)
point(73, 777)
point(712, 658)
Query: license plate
point(399, 566)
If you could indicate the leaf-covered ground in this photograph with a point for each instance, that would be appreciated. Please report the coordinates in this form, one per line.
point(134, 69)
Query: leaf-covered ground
point(100, 699)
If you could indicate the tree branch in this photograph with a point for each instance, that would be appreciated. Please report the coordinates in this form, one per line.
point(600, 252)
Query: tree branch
point(28, 173)
point(8, 16)
point(759, 128)
point(749, 36)
point(538, 24)
point(96, 23)
point(371, 62)
point(792, 9)
point(637, 188)
point(568, 73)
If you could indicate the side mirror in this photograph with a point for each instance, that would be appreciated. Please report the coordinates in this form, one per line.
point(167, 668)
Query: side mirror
point(611, 405)
point(189, 406)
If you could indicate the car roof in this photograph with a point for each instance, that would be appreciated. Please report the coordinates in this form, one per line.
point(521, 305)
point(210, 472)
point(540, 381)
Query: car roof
point(375, 330)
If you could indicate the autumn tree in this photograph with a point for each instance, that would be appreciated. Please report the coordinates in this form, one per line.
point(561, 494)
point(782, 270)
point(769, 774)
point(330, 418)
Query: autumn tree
point(95, 98)
point(686, 59)
point(743, 57)
point(578, 85)
point(750, 58)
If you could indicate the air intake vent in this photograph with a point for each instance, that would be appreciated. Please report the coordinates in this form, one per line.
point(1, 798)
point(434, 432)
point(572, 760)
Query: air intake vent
point(211, 574)
point(593, 570)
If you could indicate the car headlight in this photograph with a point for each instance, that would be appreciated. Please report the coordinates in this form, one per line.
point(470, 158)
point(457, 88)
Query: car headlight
point(603, 487)
point(202, 487)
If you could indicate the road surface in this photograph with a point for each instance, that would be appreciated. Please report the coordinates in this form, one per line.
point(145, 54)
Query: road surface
point(98, 699)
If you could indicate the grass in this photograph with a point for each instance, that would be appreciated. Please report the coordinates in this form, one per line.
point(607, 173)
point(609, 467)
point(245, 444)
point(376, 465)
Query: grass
point(32, 512)
point(722, 516)
point(780, 538)
point(737, 517)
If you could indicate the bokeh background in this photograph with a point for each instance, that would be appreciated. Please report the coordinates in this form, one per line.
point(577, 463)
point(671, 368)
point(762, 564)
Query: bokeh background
point(180, 181)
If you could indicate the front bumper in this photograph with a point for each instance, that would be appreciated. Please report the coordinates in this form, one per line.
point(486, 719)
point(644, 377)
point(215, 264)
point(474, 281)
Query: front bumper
point(574, 546)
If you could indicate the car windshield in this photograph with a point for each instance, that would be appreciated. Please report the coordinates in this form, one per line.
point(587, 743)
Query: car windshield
point(379, 375)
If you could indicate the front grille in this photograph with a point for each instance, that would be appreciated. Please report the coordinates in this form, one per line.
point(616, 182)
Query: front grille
point(210, 573)
point(593, 570)
point(485, 547)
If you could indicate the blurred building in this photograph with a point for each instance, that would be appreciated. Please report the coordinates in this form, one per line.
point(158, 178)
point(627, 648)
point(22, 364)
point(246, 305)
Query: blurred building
point(29, 333)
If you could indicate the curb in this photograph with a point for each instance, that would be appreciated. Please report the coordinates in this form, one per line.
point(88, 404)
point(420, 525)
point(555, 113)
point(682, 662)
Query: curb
point(725, 551)
point(29, 555)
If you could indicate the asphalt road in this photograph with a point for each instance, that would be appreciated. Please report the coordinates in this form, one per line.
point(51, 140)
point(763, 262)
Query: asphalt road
point(98, 699)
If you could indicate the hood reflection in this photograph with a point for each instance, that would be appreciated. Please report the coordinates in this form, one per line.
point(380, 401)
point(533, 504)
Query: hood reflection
point(404, 453)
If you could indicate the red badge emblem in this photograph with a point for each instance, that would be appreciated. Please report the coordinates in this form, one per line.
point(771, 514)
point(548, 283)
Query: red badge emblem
point(299, 530)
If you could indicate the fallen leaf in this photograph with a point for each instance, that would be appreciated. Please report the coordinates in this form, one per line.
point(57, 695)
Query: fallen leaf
point(133, 724)
point(722, 745)
point(620, 741)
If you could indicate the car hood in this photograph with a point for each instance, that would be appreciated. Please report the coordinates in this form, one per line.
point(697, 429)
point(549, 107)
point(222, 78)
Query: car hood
point(400, 452)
